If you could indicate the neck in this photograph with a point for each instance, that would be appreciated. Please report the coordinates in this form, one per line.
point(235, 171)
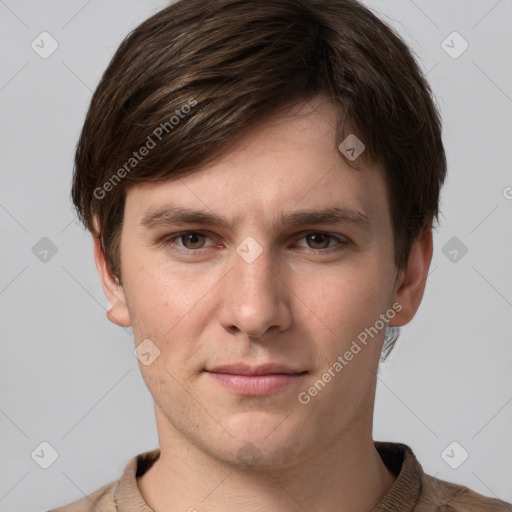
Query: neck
point(348, 475)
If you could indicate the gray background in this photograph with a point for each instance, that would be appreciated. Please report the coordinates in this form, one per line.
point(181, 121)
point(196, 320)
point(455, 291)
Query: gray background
point(69, 377)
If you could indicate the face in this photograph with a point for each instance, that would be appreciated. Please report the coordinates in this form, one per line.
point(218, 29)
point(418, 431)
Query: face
point(253, 280)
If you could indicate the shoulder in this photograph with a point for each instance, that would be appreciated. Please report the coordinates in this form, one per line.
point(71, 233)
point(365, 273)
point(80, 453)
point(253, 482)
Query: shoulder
point(123, 491)
point(440, 495)
point(102, 499)
point(418, 491)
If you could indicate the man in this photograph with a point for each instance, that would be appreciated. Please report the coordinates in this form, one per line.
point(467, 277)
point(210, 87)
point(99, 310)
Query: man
point(261, 180)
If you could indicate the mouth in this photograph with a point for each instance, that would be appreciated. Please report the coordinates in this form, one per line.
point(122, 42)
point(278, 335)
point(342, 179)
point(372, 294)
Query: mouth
point(255, 380)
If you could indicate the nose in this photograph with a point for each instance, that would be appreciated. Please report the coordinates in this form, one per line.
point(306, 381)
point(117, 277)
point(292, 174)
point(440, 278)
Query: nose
point(255, 297)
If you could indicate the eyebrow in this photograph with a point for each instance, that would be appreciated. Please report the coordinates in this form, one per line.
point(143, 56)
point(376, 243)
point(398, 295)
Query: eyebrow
point(171, 215)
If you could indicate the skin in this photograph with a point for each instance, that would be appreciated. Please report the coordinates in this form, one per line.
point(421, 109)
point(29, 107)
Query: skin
point(301, 302)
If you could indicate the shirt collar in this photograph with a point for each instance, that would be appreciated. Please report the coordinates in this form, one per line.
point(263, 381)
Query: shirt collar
point(399, 459)
point(126, 492)
point(406, 491)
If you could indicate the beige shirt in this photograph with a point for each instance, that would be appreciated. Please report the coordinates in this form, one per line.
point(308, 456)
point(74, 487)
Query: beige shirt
point(413, 490)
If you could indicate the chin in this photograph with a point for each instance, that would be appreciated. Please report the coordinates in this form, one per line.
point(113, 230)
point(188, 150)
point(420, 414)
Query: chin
point(255, 456)
point(261, 443)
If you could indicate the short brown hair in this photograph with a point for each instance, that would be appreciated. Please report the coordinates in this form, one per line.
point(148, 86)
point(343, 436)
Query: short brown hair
point(204, 71)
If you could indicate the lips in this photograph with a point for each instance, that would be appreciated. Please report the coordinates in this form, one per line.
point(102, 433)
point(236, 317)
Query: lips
point(258, 380)
point(245, 369)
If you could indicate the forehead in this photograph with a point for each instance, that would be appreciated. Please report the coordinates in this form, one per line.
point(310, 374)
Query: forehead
point(289, 161)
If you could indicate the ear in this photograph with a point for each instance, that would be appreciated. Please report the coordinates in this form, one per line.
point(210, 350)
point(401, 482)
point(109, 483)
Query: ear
point(412, 280)
point(118, 312)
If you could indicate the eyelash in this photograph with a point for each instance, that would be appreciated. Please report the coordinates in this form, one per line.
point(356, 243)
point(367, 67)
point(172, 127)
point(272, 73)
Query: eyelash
point(167, 242)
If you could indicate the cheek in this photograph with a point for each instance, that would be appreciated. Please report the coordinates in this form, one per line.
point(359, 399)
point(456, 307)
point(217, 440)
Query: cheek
point(341, 308)
point(171, 308)
point(151, 303)
point(159, 293)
